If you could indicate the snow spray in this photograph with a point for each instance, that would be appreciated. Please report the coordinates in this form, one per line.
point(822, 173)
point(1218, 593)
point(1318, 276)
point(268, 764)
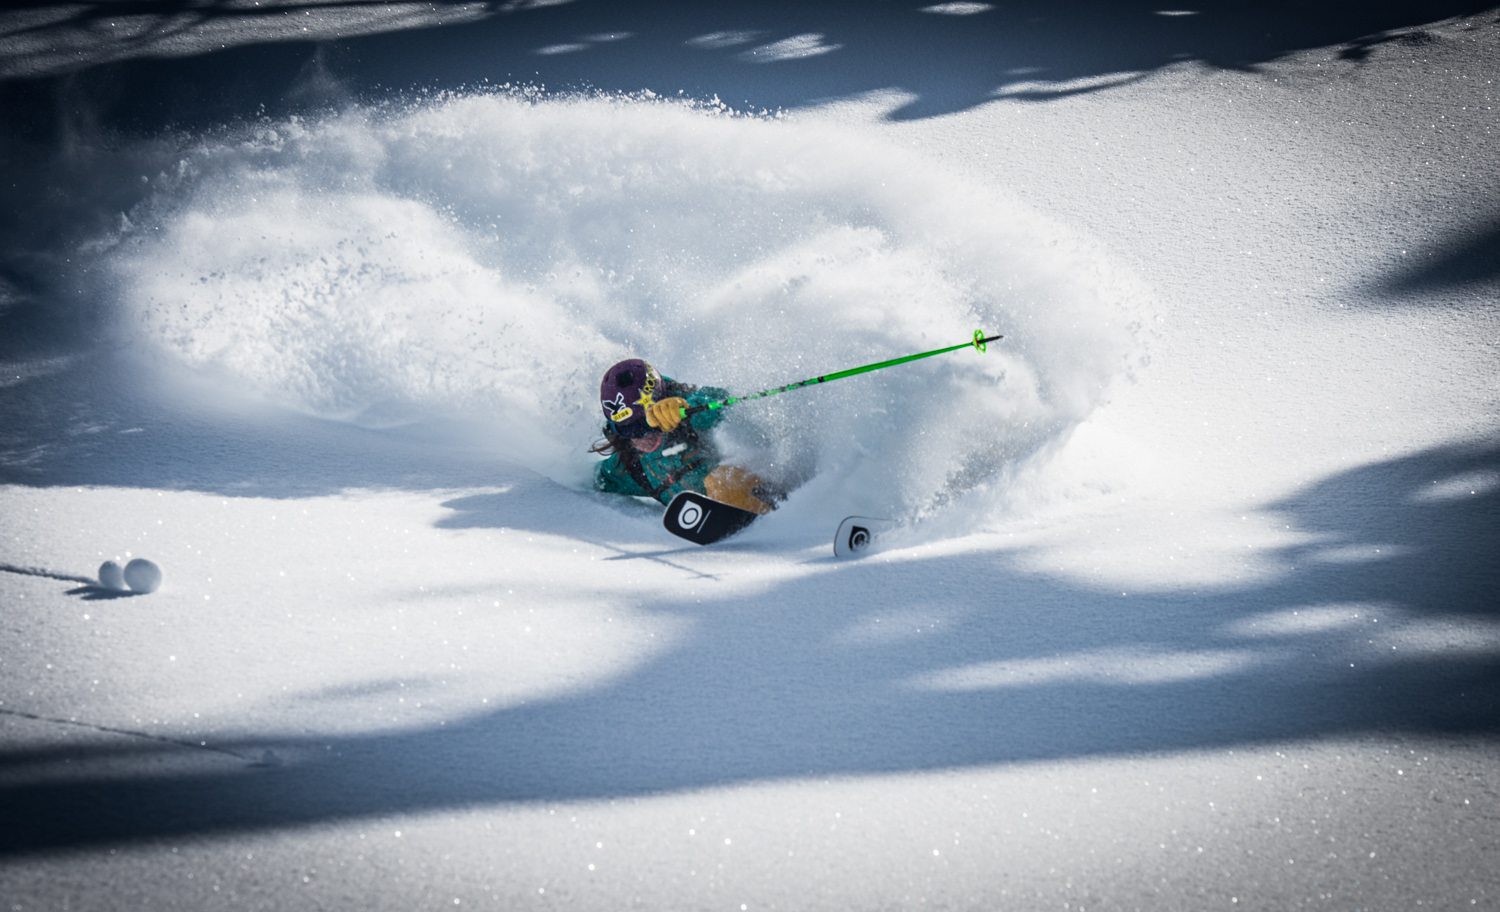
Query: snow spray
point(483, 257)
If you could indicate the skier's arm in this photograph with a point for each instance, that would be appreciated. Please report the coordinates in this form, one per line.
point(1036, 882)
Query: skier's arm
point(702, 421)
point(611, 478)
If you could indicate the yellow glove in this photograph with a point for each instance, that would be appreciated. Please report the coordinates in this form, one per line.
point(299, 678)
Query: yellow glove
point(666, 414)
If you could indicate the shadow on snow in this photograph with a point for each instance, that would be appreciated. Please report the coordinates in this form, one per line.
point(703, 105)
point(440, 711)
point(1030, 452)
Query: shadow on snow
point(818, 676)
point(1467, 260)
point(898, 667)
point(147, 63)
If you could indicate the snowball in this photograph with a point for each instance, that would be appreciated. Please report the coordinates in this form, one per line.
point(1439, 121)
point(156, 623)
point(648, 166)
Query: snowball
point(142, 575)
point(111, 576)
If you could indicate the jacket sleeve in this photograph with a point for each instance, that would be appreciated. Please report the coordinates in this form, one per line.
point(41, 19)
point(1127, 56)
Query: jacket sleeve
point(702, 421)
point(611, 478)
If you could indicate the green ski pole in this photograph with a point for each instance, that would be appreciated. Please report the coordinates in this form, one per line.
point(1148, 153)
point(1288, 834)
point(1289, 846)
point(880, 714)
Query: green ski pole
point(978, 343)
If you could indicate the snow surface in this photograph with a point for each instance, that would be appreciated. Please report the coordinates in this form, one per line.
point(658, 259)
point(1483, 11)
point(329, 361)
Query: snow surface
point(1194, 604)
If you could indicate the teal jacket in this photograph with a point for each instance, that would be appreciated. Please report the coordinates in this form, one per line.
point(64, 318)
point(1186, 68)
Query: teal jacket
point(679, 464)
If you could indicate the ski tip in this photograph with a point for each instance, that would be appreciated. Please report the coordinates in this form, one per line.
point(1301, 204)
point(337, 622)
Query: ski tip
point(857, 533)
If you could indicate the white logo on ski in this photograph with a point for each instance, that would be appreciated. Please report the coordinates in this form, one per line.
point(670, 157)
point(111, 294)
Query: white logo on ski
point(691, 516)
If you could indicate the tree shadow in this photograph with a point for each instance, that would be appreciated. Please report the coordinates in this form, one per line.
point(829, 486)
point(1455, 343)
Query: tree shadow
point(102, 418)
point(1467, 259)
point(947, 57)
point(604, 521)
point(858, 669)
point(197, 64)
point(900, 667)
point(1420, 531)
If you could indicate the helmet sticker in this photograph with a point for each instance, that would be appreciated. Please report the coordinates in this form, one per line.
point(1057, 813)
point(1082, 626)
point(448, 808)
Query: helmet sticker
point(649, 389)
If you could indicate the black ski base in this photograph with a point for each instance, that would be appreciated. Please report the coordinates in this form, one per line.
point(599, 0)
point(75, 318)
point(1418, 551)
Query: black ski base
point(703, 520)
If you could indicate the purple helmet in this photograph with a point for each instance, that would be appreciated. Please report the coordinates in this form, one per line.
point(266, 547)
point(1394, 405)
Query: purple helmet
point(626, 390)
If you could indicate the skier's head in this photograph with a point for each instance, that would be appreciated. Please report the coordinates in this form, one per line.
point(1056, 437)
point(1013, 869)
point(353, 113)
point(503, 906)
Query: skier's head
point(626, 390)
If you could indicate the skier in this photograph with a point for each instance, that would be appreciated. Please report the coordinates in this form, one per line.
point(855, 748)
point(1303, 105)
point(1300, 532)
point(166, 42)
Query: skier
point(651, 450)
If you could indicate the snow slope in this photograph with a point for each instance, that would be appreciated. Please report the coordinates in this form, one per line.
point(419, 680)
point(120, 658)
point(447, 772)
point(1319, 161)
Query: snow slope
point(1195, 611)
